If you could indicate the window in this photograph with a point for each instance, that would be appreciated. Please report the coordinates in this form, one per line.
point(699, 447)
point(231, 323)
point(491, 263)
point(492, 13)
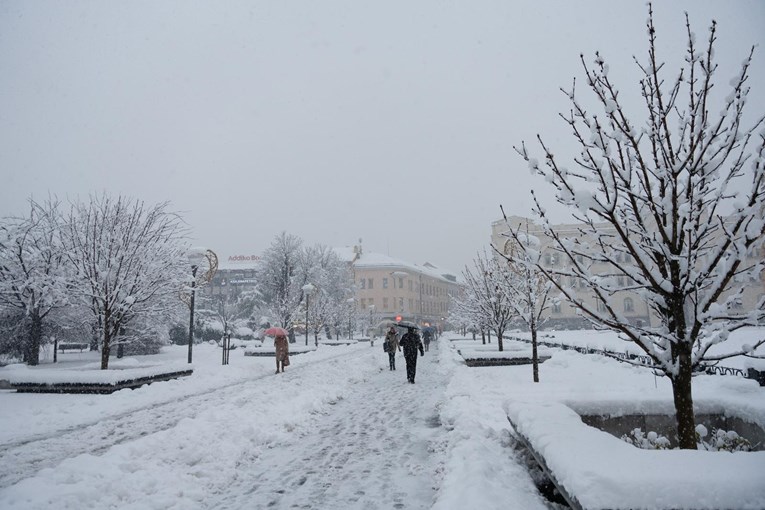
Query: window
point(410, 285)
point(601, 306)
point(371, 301)
point(411, 303)
point(400, 282)
point(363, 304)
point(385, 283)
point(385, 302)
point(371, 284)
point(362, 283)
point(628, 305)
point(556, 307)
point(620, 283)
point(401, 304)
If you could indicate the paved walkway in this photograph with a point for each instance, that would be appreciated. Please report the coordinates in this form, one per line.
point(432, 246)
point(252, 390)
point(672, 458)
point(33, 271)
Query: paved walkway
point(380, 447)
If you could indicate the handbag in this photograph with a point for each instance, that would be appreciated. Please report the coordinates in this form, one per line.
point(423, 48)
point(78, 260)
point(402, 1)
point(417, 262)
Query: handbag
point(386, 346)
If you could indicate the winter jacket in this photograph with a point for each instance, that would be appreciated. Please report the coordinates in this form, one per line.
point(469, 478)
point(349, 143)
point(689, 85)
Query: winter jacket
point(411, 343)
point(392, 338)
point(282, 349)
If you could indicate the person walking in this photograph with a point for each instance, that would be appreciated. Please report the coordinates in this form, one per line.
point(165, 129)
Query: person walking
point(427, 336)
point(411, 343)
point(281, 346)
point(391, 346)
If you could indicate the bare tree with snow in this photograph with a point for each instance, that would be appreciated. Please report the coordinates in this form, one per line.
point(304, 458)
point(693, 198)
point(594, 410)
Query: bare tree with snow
point(486, 299)
point(655, 204)
point(33, 273)
point(527, 287)
point(279, 281)
point(129, 261)
point(332, 281)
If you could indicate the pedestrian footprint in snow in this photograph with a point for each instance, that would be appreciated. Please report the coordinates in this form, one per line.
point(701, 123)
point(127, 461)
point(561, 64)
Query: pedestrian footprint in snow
point(390, 346)
point(411, 343)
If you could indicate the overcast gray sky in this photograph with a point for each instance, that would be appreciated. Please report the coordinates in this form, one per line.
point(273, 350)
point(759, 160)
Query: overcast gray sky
point(333, 120)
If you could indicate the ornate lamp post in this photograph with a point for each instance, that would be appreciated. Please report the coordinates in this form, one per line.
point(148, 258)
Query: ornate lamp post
point(307, 290)
point(198, 258)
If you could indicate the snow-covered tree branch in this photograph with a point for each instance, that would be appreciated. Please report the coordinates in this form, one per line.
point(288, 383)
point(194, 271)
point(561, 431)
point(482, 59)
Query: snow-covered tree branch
point(657, 208)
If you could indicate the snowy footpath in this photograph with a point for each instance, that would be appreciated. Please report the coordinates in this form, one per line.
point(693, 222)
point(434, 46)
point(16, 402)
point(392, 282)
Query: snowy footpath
point(337, 430)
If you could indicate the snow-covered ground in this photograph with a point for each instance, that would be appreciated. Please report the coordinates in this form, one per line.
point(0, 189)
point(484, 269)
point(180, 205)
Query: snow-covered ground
point(336, 430)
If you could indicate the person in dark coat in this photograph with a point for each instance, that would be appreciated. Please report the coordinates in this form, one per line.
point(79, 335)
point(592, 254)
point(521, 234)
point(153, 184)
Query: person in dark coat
point(411, 343)
point(391, 342)
point(427, 336)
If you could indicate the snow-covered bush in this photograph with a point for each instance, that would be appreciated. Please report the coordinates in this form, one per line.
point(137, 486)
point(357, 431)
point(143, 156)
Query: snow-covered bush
point(649, 441)
point(721, 440)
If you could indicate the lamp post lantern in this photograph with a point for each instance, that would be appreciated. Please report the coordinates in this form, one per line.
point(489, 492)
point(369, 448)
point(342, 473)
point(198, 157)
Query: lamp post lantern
point(307, 290)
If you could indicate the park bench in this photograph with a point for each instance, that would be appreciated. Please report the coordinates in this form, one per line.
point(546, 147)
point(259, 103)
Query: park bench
point(70, 346)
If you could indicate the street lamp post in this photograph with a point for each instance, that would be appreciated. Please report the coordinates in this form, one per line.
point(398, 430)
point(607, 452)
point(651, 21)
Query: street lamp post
point(191, 310)
point(371, 313)
point(307, 290)
point(195, 258)
point(350, 317)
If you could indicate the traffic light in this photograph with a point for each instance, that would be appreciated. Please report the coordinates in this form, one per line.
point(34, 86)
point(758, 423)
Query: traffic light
point(398, 318)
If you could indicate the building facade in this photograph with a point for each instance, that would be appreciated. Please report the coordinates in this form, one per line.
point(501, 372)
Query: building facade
point(563, 315)
point(389, 288)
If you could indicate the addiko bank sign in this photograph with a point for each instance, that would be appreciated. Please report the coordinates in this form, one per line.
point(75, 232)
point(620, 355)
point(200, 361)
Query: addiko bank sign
point(243, 258)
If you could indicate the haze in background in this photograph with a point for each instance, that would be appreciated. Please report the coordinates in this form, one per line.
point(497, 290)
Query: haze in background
point(337, 120)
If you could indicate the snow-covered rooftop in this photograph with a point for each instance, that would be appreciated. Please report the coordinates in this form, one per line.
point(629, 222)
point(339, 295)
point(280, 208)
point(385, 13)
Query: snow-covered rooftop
point(372, 260)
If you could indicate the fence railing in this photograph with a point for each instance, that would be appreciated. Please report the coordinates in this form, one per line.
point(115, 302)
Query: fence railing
point(646, 361)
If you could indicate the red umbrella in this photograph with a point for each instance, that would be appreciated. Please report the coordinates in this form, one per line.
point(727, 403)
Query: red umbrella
point(275, 331)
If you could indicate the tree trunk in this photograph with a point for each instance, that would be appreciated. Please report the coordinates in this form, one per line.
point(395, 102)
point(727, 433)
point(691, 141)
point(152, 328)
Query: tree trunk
point(683, 396)
point(35, 336)
point(499, 340)
point(483, 337)
point(534, 354)
point(105, 346)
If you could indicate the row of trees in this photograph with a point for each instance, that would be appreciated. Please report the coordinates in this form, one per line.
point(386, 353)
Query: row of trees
point(291, 277)
point(111, 266)
point(505, 289)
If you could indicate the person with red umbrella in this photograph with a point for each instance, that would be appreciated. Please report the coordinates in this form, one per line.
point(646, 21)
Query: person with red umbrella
point(281, 346)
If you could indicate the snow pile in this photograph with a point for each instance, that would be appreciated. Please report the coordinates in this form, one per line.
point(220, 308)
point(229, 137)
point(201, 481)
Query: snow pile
point(603, 471)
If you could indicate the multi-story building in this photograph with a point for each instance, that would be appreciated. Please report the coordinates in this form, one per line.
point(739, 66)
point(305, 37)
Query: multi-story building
point(563, 314)
point(390, 288)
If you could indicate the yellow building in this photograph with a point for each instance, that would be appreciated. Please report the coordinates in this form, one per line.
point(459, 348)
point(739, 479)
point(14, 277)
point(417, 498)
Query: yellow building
point(390, 288)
